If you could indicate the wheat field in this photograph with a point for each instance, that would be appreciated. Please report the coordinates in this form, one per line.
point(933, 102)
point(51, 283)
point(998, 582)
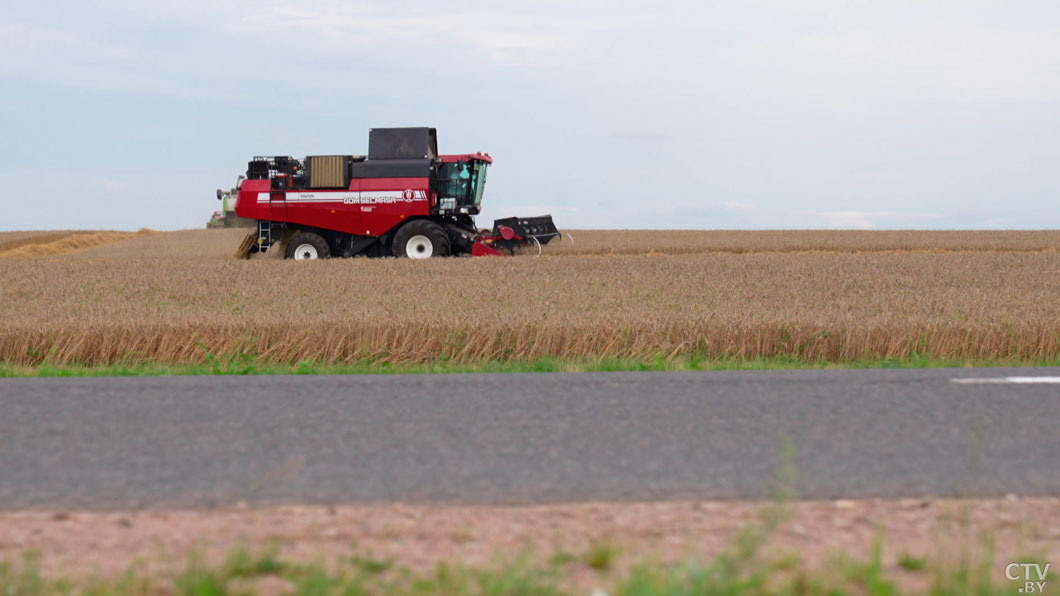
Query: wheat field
point(177, 297)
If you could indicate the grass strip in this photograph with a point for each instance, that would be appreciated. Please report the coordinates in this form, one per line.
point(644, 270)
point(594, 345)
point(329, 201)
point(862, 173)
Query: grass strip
point(244, 365)
point(747, 567)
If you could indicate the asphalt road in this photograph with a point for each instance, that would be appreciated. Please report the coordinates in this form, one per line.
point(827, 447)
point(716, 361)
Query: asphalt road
point(516, 438)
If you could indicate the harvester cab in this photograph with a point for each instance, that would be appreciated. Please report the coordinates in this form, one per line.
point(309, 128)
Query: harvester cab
point(459, 182)
point(403, 199)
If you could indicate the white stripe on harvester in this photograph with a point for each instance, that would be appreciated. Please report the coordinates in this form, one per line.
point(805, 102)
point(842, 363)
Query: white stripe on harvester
point(1009, 380)
point(315, 197)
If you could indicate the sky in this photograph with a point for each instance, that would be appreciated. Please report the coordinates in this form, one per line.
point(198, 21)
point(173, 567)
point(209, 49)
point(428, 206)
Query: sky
point(751, 114)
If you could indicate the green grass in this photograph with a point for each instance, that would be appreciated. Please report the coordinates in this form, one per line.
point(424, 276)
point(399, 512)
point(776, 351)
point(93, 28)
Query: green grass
point(601, 556)
point(248, 365)
point(911, 563)
point(739, 571)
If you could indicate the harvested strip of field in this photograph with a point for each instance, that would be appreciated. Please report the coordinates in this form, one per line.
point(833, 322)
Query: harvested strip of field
point(199, 245)
point(59, 243)
point(12, 240)
point(101, 307)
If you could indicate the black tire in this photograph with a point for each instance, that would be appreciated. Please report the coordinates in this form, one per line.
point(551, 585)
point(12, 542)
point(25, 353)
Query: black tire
point(307, 246)
point(420, 239)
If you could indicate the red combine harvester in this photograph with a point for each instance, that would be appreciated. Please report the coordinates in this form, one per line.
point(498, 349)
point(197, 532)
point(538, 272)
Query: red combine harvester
point(403, 199)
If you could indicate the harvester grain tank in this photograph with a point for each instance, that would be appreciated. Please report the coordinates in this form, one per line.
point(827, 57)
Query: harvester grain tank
point(403, 199)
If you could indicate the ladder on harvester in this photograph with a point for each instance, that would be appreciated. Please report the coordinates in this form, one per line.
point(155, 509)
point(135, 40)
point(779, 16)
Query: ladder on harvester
point(264, 235)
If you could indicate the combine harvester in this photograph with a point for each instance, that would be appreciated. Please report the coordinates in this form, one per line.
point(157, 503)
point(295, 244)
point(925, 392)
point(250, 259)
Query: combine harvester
point(402, 200)
point(227, 218)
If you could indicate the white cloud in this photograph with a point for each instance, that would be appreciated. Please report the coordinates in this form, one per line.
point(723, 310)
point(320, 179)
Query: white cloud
point(738, 206)
point(501, 33)
point(18, 39)
point(69, 58)
point(109, 184)
point(871, 220)
point(945, 61)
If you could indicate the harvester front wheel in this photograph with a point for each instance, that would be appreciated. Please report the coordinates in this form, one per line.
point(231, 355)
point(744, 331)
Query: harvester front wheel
point(421, 239)
point(307, 246)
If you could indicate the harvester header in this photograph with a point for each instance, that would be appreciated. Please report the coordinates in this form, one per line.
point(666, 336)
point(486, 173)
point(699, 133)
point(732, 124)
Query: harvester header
point(403, 199)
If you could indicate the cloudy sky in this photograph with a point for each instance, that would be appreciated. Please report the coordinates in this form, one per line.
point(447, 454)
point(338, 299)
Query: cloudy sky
point(607, 114)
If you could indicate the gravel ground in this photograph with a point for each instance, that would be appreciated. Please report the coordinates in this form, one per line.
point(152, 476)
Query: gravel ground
point(81, 544)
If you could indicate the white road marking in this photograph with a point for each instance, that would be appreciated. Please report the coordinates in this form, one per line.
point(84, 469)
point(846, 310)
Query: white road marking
point(1009, 380)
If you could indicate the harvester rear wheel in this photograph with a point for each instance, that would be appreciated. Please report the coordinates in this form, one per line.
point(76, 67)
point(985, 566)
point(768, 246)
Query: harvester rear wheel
point(307, 246)
point(421, 239)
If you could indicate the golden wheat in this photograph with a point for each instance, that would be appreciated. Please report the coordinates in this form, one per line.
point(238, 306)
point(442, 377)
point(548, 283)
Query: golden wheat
point(60, 243)
point(12, 240)
point(175, 297)
point(602, 242)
